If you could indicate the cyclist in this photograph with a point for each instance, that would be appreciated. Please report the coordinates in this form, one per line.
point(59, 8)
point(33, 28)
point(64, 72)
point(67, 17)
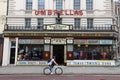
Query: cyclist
point(52, 63)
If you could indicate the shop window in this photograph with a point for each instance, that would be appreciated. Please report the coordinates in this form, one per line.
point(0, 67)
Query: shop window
point(69, 47)
point(93, 52)
point(46, 47)
point(30, 52)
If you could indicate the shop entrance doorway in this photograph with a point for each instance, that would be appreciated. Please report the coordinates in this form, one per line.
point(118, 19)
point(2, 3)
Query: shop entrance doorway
point(58, 52)
point(12, 56)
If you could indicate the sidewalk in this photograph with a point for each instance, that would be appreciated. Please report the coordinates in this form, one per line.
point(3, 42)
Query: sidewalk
point(9, 70)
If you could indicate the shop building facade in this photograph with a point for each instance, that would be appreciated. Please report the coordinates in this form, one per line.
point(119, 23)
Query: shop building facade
point(76, 32)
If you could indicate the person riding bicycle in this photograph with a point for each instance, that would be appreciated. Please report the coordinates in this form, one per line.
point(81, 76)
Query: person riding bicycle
point(52, 63)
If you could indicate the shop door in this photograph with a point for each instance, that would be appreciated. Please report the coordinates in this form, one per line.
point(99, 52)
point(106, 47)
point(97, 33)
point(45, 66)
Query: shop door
point(58, 52)
point(12, 56)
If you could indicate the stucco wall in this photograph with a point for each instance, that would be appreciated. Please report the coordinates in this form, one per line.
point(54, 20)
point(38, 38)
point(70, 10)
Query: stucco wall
point(3, 6)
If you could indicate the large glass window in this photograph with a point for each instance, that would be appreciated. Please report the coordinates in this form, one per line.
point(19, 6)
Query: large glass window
point(59, 4)
point(92, 52)
point(40, 22)
point(41, 4)
point(27, 22)
point(77, 23)
point(30, 52)
point(89, 23)
point(28, 4)
point(89, 4)
point(76, 4)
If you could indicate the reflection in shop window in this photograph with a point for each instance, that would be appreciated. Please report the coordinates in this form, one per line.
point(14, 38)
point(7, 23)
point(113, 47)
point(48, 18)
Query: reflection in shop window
point(30, 52)
point(93, 52)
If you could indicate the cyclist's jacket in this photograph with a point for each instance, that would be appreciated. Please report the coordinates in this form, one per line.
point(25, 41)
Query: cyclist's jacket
point(50, 62)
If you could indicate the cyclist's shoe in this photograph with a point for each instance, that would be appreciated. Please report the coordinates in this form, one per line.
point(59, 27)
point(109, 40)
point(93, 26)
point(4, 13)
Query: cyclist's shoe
point(51, 73)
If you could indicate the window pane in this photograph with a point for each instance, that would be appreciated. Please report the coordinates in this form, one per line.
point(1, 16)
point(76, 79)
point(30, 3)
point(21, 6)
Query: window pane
point(89, 4)
point(76, 4)
point(89, 23)
point(77, 22)
point(59, 4)
point(27, 22)
point(41, 4)
point(28, 52)
point(28, 4)
point(40, 23)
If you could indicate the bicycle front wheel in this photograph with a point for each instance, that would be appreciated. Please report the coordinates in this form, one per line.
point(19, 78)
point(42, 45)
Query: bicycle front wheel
point(46, 71)
point(58, 71)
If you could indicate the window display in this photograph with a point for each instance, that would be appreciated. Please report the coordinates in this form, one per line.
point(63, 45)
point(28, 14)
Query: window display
point(92, 52)
point(30, 52)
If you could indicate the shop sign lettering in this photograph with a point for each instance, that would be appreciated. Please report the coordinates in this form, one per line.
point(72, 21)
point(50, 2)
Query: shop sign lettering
point(31, 41)
point(53, 34)
point(93, 41)
point(58, 41)
point(56, 27)
point(105, 41)
point(47, 41)
point(91, 62)
point(80, 41)
point(31, 62)
point(69, 41)
point(55, 12)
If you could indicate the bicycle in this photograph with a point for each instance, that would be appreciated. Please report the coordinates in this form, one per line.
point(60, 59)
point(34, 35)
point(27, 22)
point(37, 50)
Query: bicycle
point(57, 70)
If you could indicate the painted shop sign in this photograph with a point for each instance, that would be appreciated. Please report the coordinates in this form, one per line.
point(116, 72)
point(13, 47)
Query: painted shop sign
point(91, 62)
point(31, 63)
point(78, 41)
point(105, 41)
point(58, 41)
point(55, 12)
point(55, 34)
point(57, 27)
point(31, 41)
point(93, 41)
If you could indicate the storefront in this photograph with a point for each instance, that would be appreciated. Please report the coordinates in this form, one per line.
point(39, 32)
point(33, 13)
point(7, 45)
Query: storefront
point(69, 48)
point(75, 31)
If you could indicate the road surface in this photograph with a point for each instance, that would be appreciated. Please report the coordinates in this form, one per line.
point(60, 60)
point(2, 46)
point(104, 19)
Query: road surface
point(59, 77)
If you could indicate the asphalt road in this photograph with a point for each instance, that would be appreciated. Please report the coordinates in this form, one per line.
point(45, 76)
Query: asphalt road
point(59, 77)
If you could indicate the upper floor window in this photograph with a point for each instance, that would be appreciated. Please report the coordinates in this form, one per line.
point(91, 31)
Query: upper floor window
point(28, 4)
point(40, 22)
point(41, 4)
point(59, 4)
point(27, 22)
point(89, 23)
point(89, 4)
point(77, 23)
point(76, 4)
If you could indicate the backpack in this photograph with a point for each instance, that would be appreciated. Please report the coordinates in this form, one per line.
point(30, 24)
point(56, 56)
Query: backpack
point(49, 60)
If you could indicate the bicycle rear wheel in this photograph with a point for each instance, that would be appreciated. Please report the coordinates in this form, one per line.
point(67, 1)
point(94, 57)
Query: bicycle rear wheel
point(58, 71)
point(46, 71)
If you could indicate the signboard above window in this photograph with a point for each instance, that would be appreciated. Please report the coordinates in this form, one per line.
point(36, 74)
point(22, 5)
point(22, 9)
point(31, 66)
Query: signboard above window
point(58, 27)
